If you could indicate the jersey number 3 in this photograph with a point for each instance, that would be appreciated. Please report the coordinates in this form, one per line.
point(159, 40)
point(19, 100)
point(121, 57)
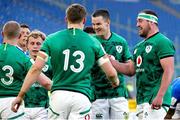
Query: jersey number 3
point(79, 60)
point(9, 75)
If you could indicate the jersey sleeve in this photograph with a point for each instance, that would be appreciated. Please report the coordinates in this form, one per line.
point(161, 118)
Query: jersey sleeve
point(165, 48)
point(48, 66)
point(45, 47)
point(27, 64)
point(127, 55)
point(99, 50)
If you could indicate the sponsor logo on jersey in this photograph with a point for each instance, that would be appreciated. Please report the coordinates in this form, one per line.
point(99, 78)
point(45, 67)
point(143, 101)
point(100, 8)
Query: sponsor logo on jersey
point(138, 64)
point(148, 48)
point(140, 70)
point(138, 61)
point(119, 48)
point(45, 68)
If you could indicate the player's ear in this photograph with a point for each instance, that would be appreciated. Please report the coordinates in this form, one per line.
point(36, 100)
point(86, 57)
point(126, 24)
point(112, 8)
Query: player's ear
point(2, 34)
point(108, 21)
point(84, 20)
point(19, 36)
point(65, 19)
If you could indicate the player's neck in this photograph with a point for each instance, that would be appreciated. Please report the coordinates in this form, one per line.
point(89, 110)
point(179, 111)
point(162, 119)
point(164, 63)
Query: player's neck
point(22, 47)
point(107, 35)
point(33, 57)
point(78, 26)
point(152, 33)
point(10, 41)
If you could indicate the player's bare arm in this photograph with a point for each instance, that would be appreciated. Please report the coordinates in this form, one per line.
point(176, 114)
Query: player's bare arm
point(109, 70)
point(126, 68)
point(168, 67)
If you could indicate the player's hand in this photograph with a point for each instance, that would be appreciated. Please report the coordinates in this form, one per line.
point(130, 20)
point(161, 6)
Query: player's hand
point(157, 102)
point(111, 57)
point(16, 103)
point(115, 84)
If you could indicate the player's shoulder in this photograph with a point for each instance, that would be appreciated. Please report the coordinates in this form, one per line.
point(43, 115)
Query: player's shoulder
point(118, 38)
point(138, 44)
point(91, 38)
point(161, 38)
point(55, 34)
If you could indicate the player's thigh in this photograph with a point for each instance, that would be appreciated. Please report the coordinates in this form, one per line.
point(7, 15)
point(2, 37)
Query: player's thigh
point(144, 112)
point(7, 113)
point(28, 113)
point(119, 108)
point(157, 114)
point(36, 113)
point(59, 105)
point(41, 114)
point(80, 108)
point(100, 109)
point(119, 104)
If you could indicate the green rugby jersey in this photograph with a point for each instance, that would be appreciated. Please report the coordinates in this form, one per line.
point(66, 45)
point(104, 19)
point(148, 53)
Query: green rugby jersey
point(73, 54)
point(116, 46)
point(14, 65)
point(37, 96)
point(147, 55)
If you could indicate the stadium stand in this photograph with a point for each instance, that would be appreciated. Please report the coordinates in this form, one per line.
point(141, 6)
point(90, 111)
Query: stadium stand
point(48, 16)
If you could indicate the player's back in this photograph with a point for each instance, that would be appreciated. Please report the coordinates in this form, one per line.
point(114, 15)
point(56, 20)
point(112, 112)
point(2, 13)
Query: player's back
point(13, 67)
point(73, 54)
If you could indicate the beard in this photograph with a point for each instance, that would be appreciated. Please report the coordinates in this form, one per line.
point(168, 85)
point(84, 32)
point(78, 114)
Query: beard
point(143, 35)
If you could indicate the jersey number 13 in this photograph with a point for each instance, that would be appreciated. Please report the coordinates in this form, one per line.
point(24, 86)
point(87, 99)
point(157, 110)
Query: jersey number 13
point(79, 60)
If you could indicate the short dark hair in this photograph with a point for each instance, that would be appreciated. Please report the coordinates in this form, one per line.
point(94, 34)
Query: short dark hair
point(23, 25)
point(148, 11)
point(75, 13)
point(11, 29)
point(101, 12)
point(89, 29)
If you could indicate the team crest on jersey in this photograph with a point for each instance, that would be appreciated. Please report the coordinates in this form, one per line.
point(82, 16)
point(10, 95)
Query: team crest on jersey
point(148, 48)
point(139, 61)
point(135, 51)
point(119, 48)
point(45, 68)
